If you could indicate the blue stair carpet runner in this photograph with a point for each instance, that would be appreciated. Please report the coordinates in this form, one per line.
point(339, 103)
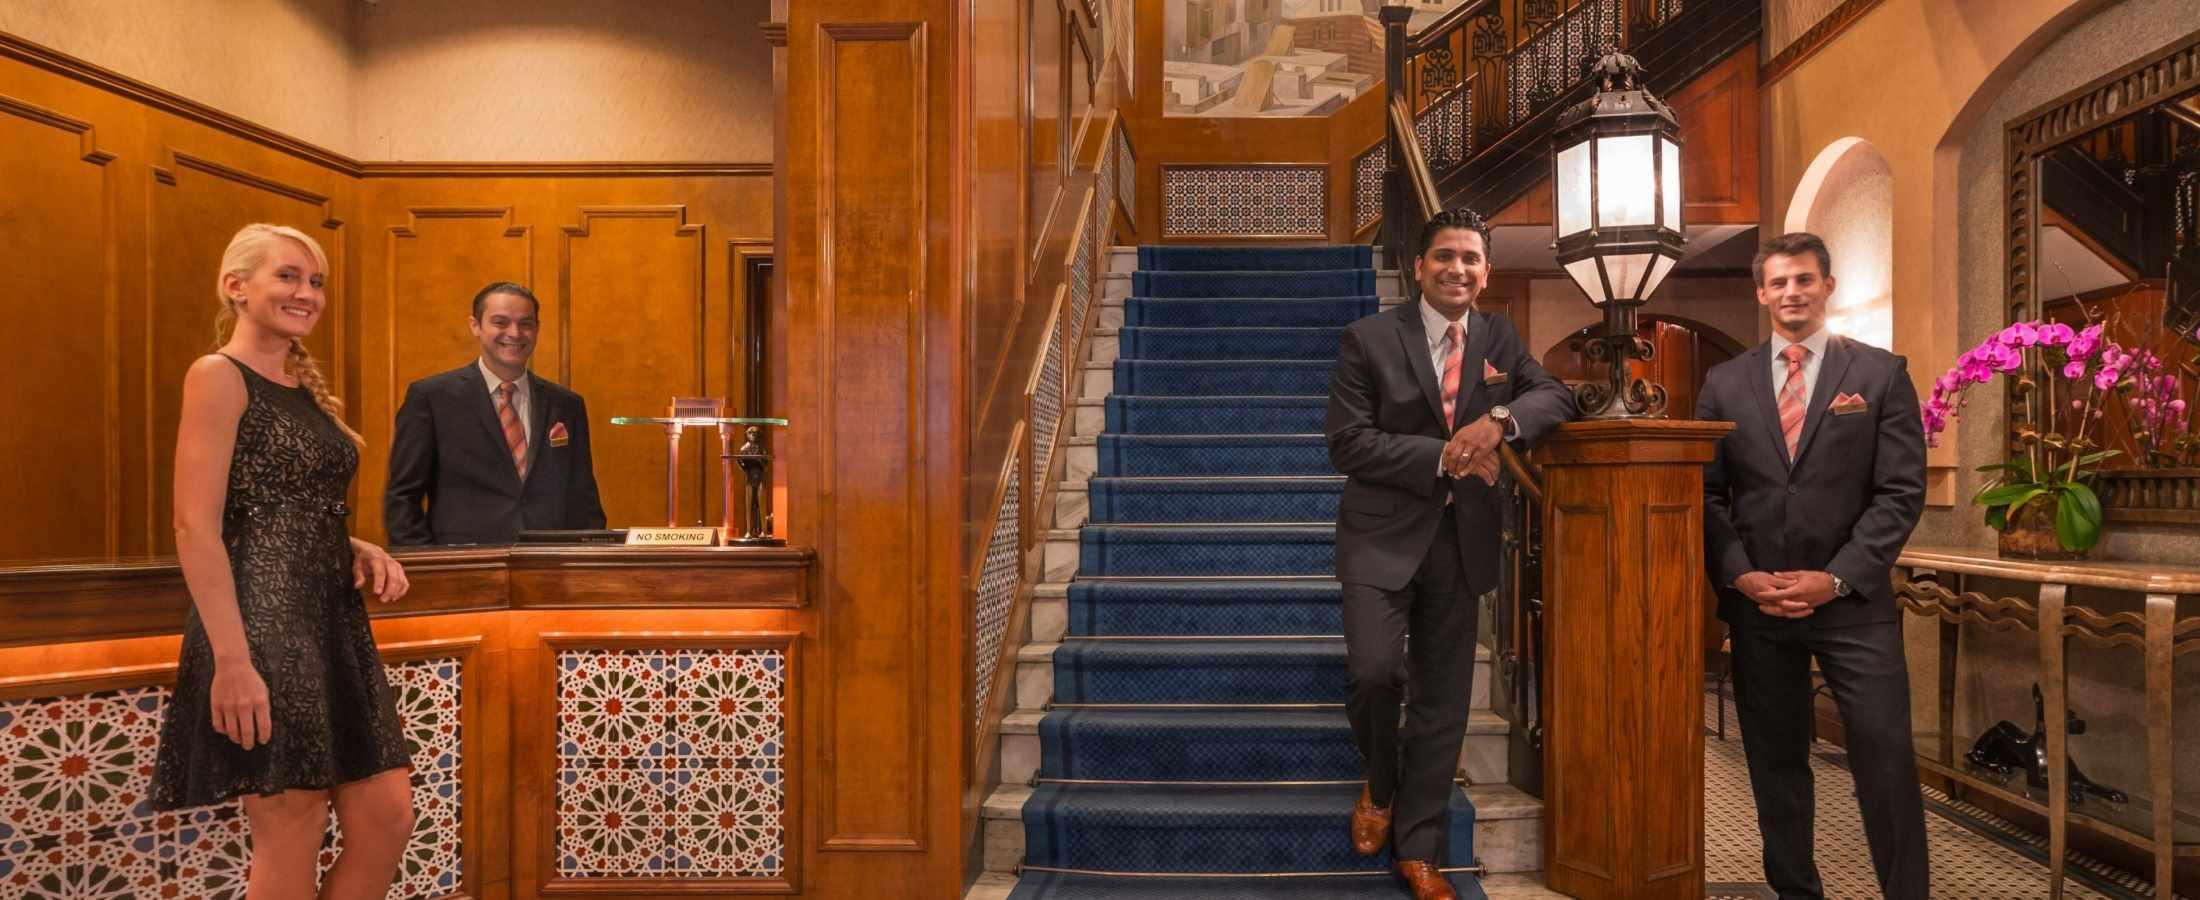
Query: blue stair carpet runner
point(1197, 746)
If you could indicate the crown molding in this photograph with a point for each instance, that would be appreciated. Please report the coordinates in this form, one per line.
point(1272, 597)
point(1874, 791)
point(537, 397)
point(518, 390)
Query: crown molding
point(1813, 40)
point(55, 61)
point(49, 59)
point(562, 169)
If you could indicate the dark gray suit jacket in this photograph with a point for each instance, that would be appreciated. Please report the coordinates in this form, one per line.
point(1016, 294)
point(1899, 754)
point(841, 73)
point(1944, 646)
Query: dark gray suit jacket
point(1386, 432)
point(1848, 503)
point(448, 452)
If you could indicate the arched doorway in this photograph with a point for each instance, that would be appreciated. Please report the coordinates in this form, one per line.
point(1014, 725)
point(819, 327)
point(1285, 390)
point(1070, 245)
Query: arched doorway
point(1847, 198)
point(1685, 350)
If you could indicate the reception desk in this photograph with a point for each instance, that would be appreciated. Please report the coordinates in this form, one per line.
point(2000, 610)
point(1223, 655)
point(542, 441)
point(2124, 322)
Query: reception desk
point(583, 720)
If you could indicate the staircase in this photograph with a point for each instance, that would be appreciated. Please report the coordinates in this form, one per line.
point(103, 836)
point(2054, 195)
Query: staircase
point(1179, 730)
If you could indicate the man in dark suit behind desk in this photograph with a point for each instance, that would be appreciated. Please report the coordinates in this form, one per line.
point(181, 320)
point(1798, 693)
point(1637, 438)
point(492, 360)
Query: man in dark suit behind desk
point(489, 448)
point(1419, 399)
point(1806, 504)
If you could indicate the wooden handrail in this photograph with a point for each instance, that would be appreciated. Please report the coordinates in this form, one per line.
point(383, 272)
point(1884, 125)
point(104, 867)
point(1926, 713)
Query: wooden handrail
point(1418, 177)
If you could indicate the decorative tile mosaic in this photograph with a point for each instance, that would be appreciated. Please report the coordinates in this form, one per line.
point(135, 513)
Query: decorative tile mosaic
point(1046, 405)
point(1220, 201)
point(671, 763)
point(1367, 185)
point(997, 583)
point(73, 821)
point(1126, 177)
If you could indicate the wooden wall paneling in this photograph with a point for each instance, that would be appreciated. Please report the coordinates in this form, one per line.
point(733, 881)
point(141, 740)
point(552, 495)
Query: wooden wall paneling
point(632, 319)
point(433, 259)
point(65, 449)
point(872, 376)
point(876, 385)
point(1718, 114)
point(198, 200)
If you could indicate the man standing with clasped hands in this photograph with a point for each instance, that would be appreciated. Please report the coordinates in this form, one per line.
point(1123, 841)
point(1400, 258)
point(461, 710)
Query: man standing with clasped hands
point(1419, 399)
point(1806, 504)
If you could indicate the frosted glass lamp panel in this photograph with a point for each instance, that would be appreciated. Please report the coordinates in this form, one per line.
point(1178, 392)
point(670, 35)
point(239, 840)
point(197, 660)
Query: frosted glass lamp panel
point(1573, 189)
point(1658, 271)
point(1584, 273)
point(1670, 163)
point(1626, 271)
point(1626, 181)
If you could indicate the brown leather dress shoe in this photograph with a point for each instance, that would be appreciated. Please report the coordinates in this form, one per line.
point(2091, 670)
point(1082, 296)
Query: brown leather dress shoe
point(1370, 826)
point(1426, 882)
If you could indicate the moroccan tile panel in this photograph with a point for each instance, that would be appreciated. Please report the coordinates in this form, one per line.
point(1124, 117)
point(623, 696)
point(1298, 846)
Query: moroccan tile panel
point(671, 763)
point(73, 820)
point(1247, 201)
point(997, 583)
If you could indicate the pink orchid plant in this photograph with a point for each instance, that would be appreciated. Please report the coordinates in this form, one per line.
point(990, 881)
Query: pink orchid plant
point(2066, 378)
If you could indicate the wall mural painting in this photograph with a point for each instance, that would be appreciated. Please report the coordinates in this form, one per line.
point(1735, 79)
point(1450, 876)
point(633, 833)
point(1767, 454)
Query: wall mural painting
point(1274, 58)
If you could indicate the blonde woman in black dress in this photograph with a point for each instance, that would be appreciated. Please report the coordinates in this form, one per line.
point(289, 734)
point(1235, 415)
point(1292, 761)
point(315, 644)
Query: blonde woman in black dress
point(280, 696)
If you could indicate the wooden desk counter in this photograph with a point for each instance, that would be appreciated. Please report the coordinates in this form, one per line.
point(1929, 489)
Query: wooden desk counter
point(600, 719)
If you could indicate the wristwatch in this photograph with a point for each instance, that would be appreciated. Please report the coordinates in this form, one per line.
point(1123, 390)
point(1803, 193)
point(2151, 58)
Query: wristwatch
point(1503, 418)
point(1840, 588)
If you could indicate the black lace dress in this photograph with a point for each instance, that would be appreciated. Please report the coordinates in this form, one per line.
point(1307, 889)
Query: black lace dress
point(334, 715)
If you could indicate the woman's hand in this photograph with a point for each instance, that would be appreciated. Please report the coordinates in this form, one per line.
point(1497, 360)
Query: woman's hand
point(239, 702)
point(369, 562)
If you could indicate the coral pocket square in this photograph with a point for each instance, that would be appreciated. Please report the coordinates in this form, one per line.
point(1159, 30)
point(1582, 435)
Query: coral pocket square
point(558, 437)
point(1845, 404)
point(1490, 375)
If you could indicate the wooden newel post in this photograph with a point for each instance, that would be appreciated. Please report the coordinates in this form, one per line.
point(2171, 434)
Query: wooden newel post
point(1623, 590)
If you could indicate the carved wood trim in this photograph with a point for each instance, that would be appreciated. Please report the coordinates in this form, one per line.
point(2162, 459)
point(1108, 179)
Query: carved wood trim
point(681, 228)
point(1927, 598)
point(1816, 38)
point(912, 38)
point(2165, 73)
point(110, 305)
point(413, 216)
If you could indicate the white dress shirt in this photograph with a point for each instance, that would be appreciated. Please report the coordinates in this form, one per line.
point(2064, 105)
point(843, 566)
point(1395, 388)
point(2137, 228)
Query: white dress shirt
point(520, 394)
point(1816, 344)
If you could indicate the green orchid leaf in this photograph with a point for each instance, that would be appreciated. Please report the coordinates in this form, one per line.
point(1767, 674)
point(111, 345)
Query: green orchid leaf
point(2089, 503)
point(2091, 458)
point(2010, 495)
point(1997, 518)
point(2073, 529)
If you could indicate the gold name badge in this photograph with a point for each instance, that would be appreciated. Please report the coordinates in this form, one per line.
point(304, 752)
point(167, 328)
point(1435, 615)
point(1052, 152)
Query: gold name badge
point(672, 537)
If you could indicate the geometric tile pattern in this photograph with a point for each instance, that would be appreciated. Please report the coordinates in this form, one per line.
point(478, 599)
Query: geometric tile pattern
point(73, 819)
point(1126, 176)
point(671, 763)
point(1046, 404)
point(1445, 138)
point(997, 584)
point(1367, 185)
point(1965, 864)
point(1220, 201)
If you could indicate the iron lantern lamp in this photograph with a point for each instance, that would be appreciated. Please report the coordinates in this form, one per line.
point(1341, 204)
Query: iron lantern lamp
point(1616, 223)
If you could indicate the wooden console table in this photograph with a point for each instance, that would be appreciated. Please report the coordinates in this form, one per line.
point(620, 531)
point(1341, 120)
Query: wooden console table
point(1937, 582)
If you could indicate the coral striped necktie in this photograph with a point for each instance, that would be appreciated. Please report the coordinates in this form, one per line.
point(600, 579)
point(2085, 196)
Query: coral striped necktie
point(1791, 397)
point(515, 437)
point(1457, 337)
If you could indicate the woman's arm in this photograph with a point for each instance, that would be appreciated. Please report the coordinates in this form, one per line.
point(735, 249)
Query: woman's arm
point(213, 403)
